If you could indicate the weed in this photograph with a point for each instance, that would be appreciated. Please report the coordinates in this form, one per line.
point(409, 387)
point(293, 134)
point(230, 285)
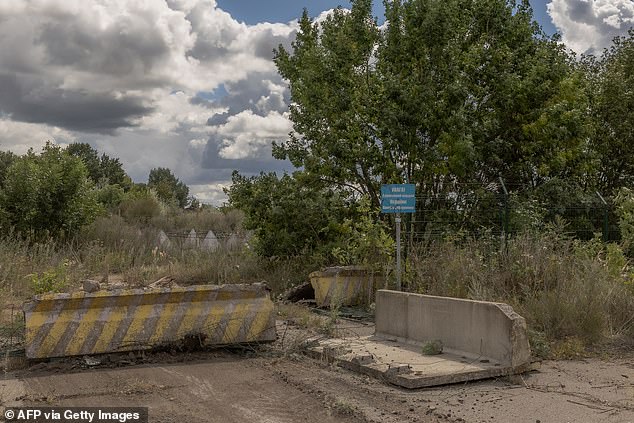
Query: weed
point(540, 346)
point(301, 316)
point(330, 324)
point(52, 280)
point(343, 408)
point(432, 348)
point(11, 330)
point(569, 348)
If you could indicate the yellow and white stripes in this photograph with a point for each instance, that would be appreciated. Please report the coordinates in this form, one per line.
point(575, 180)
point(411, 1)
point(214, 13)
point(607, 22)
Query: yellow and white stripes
point(80, 323)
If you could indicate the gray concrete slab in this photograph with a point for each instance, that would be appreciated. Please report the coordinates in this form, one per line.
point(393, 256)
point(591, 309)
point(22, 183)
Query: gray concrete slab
point(422, 340)
point(405, 365)
point(476, 328)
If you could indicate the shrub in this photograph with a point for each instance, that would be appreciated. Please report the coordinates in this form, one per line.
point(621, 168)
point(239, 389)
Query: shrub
point(625, 211)
point(364, 240)
point(110, 196)
point(290, 215)
point(48, 194)
point(564, 288)
point(52, 280)
point(140, 205)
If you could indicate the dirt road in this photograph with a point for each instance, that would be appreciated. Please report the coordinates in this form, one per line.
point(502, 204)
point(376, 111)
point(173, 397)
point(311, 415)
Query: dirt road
point(221, 387)
point(274, 385)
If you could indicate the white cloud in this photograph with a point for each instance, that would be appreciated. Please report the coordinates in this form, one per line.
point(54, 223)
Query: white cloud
point(588, 26)
point(20, 136)
point(324, 15)
point(186, 5)
point(128, 49)
point(246, 134)
point(175, 111)
point(129, 78)
point(210, 193)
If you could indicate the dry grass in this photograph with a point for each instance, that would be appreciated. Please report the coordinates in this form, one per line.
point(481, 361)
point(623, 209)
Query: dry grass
point(564, 288)
point(113, 246)
point(302, 317)
point(200, 220)
point(567, 290)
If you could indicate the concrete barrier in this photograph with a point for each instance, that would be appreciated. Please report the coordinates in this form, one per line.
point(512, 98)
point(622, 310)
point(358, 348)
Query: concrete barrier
point(346, 285)
point(478, 329)
point(163, 240)
point(81, 323)
point(210, 242)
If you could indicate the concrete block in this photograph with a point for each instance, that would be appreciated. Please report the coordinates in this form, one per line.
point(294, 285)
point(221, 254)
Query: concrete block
point(79, 323)
point(192, 239)
point(234, 243)
point(478, 329)
point(391, 326)
point(210, 242)
point(163, 240)
point(344, 285)
point(402, 364)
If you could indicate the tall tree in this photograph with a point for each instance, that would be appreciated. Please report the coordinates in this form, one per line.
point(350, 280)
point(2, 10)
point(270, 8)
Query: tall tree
point(89, 156)
point(168, 187)
point(112, 172)
point(613, 111)
point(451, 91)
point(332, 82)
point(103, 170)
point(49, 193)
point(6, 159)
point(473, 90)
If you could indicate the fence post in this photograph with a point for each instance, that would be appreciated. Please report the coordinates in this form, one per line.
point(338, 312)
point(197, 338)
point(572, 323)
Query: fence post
point(505, 213)
point(606, 227)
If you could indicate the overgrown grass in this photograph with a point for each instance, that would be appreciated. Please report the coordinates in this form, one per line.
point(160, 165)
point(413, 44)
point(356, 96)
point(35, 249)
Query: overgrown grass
point(572, 293)
point(566, 289)
point(200, 220)
point(24, 266)
point(112, 246)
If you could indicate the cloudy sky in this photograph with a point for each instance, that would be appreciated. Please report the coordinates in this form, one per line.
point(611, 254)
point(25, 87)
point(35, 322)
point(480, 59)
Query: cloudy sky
point(184, 84)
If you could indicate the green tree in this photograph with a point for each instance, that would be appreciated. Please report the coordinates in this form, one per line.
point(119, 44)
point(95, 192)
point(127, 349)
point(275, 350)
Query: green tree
point(333, 83)
point(113, 173)
point(48, 194)
point(612, 91)
point(110, 196)
point(103, 170)
point(140, 204)
point(473, 90)
point(451, 91)
point(289, 215)
point(89, 156)
point(168, 187)
point(6, 159)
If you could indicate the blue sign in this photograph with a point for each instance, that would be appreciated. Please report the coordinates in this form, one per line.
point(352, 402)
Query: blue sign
point(398, 198)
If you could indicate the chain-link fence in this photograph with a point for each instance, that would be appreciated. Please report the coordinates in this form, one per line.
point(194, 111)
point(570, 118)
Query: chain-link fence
point(11, 329)
point(499, 210)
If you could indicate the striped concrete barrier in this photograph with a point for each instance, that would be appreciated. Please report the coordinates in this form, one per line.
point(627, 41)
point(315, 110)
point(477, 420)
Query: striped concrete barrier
point(81, 323)
point(345, 285)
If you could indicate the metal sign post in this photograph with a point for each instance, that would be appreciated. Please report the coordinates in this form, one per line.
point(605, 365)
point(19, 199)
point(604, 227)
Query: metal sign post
point(398, 251)
point(398, 198)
